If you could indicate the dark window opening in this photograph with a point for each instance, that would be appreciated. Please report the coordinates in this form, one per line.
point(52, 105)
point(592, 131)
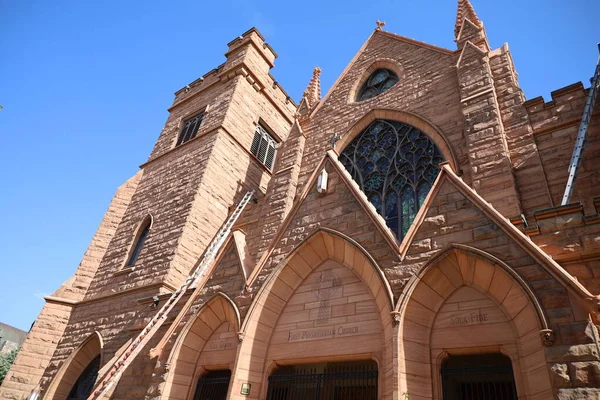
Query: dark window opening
point(138, 246)
point(85, 383)
point(327, 381)
point(482, 376)
point(213, 385)
point(263, 147)
point(395, 165)
point(379, 81)
point(189, 129)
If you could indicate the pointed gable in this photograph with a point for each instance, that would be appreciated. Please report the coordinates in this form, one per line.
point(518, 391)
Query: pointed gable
point(343, 209)
point(227, 274)
point(466, 11)
point(455, 214)
point(312, 94)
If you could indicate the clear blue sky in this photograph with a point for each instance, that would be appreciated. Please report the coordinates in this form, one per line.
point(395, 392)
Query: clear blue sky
point(85, 86)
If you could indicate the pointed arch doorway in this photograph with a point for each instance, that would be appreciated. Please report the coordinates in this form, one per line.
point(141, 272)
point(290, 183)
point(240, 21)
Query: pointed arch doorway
point(322, 314)
point(467, 312)
point(202, 358)
point(478, 376)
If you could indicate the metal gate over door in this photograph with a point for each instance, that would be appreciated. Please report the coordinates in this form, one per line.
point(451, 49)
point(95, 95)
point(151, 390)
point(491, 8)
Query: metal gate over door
point(331, 381)
point(213, 385)
point(478, 377)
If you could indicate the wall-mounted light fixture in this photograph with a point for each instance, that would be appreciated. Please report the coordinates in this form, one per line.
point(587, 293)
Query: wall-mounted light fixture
point(322, 182)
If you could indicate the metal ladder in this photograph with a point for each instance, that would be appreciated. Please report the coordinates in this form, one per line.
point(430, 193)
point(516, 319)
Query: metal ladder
point(136, 346)
point(580, 142)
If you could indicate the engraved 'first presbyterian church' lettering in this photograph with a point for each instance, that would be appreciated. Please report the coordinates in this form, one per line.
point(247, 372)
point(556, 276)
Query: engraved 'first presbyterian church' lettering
point(315, 334)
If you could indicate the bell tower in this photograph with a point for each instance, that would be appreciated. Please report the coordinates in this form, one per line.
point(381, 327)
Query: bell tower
point(203, 162)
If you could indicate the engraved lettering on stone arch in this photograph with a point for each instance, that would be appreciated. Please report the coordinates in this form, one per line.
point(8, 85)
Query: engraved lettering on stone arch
point(325, 288)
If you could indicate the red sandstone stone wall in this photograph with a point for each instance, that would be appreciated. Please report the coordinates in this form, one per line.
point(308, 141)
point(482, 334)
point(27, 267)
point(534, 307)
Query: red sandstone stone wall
point(189, 190)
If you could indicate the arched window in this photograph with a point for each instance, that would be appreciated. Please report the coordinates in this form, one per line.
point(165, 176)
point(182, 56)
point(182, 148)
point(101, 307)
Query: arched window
point(379, 81)
point(85, 383)
point(139, 243)
point(395, 165)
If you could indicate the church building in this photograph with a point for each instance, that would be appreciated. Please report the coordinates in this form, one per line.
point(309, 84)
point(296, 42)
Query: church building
point(403, 236)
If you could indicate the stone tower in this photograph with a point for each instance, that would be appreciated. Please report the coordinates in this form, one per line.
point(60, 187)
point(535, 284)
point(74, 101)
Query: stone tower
point(182, 192)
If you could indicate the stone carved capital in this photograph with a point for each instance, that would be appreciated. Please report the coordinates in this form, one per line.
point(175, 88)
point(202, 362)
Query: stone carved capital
point(547, 336)
point(395, 317)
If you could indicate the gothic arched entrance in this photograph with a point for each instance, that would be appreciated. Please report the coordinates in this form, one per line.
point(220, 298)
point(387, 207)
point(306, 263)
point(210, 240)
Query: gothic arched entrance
point(202, 360)
point(325, 308)
point(77, 376)
point(466, 305)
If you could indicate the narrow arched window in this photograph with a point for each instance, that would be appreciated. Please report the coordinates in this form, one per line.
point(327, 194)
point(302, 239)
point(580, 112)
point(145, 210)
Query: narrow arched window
point(377, 83)
point(395, 165)
point(139, 243)
point(85, 383)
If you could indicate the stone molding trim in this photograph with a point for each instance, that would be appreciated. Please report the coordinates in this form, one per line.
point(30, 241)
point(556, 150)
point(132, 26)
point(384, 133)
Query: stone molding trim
point(74, 365)
point(60, 300)
point(233, 318)
point(280, 287)
point(258, 84)
point(426, 326)
point(422, 212)
point(194, 95)
point(330, 157)
point(473, 252)
point(589, 301)
point(215, 312)
point(416, 42)
point(333, 255)
point(468, 45)
point(333, 87)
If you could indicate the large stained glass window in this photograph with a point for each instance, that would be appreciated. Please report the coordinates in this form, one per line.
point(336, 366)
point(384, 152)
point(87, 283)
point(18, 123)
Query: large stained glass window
point(395, 165)
point(379, 81)
point(85, 383)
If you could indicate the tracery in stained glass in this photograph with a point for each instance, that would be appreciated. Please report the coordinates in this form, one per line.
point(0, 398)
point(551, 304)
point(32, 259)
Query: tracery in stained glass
point(395, 165)
point(85, 383)
point(379, 81)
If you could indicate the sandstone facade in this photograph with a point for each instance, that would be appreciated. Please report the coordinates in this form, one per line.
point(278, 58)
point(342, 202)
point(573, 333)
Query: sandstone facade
point(492, 264)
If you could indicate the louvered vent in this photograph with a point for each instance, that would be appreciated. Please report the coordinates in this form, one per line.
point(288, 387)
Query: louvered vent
point(189, 128)
point(263, 147)
point(255, 142)
point(270, 158)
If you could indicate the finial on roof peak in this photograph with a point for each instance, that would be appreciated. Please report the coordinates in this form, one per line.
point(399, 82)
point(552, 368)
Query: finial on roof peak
point(380, 25)
point(466, 10)
point(313, 91)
